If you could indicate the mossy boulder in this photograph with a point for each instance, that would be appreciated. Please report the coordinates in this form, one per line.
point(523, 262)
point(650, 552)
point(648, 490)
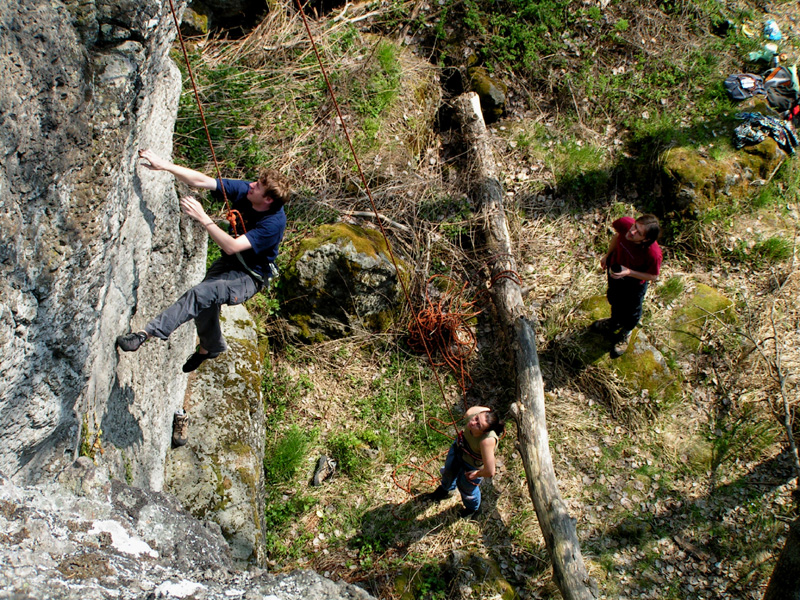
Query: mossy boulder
point(697, 179)
point(194, 23)
point(218, 475)
point(704, 307)
point(477, 576)
point(644, 367)
point(492, 92)
point(340, 280)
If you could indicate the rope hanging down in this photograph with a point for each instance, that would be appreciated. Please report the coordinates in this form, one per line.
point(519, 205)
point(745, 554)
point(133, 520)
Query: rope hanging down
point(458, 339)
point(419, 325)
point(234, 217)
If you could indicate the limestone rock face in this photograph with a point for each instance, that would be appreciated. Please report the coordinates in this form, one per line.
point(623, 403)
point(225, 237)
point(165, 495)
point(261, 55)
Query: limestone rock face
point(84, 537)
point(92, 245)
point(340, 279)
point(218, 475)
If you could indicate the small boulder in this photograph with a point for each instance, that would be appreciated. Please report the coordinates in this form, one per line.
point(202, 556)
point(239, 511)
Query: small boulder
point(491, 91)
point(340, 280)
point(642, 367)
point(476, 576)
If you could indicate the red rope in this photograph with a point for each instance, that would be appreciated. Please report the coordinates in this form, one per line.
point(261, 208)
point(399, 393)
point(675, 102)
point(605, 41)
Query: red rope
point(234, 217)
point(417, 318)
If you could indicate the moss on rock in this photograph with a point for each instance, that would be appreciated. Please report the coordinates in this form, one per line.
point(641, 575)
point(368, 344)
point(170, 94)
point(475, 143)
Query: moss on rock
point(696, 181)
point(705, 306)
point(596, 308)
point(365, 241)
point(340, 279)
point(642, 366)
point(492, 92)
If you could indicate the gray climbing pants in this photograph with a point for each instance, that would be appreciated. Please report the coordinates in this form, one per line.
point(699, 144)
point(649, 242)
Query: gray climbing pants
point(201, 303)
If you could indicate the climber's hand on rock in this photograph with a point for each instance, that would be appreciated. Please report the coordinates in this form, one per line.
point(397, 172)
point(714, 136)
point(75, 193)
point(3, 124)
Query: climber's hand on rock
point(190, 206)
point(155, 162)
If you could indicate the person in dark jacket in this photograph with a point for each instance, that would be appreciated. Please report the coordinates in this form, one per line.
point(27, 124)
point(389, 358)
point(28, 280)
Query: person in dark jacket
point(246, 264)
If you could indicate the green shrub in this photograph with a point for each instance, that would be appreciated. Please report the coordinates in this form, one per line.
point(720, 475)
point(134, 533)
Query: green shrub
point(345, 450)
point(284, 456)
point(773, 249)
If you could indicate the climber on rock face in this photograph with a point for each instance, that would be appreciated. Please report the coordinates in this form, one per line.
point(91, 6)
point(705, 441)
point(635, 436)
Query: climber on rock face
point(247, 262)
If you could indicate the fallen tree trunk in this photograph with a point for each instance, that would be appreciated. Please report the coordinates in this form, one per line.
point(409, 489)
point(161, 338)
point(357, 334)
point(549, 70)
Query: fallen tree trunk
point(558, 528)
point(785, 581)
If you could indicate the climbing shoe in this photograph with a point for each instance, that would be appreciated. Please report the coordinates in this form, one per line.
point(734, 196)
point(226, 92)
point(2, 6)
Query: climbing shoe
point(131, 341)
point(195, 360)
point(180, 428)
point(325, 468)
point(621, 344)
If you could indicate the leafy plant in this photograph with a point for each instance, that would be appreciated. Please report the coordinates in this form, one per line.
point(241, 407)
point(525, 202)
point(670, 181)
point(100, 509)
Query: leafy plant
point(279, 512)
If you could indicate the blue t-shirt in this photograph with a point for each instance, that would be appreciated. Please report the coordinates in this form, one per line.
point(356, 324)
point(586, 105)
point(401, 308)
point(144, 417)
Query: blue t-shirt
point(264, 230)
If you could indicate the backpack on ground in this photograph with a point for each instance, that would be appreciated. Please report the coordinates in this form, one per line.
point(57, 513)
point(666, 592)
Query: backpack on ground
point(780, 87)
point(741, 86)
point(777, 77)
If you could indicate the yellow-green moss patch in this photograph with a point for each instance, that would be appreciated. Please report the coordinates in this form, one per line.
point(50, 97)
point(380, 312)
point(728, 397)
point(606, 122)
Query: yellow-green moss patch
point(365, 241)
point(643, 367)
point(705, 308)
point(596, 307)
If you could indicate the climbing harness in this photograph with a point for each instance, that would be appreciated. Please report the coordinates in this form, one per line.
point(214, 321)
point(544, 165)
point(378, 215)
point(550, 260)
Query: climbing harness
point(465, 448)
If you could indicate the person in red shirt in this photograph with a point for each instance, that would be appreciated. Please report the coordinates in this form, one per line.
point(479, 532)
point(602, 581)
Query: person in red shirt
point(632, 261)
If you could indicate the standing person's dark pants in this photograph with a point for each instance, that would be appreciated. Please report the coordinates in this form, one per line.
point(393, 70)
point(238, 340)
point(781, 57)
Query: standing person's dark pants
point(201, 303)
point(626, 296)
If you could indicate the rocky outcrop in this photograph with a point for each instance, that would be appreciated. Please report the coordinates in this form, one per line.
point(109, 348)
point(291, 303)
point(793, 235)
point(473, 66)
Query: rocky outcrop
point(228, 13)
point(91, 245)
point(219, 476)
point(340, 280)
point(87, 538)
point(696, 179)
